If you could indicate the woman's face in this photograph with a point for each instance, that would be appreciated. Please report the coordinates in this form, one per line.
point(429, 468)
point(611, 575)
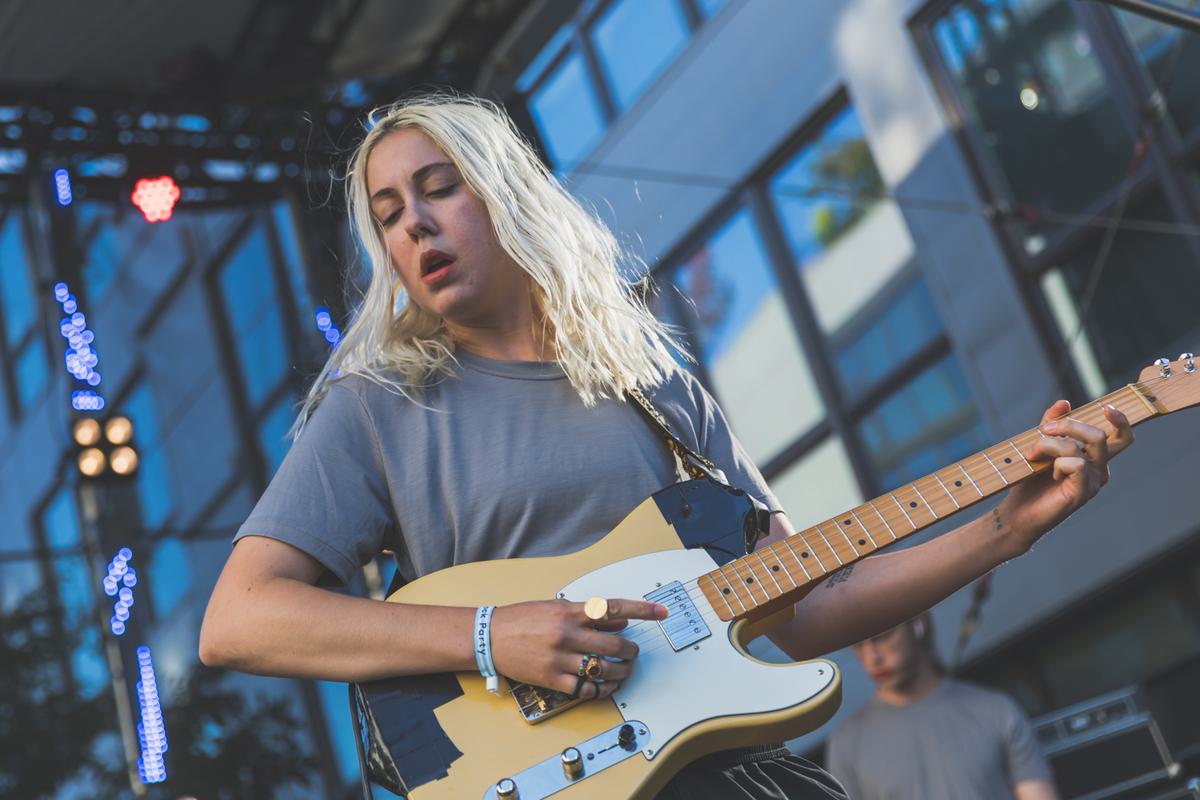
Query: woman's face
point(439, 235)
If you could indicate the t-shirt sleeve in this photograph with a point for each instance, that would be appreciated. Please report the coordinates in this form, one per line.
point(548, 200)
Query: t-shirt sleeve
point(718, 442)
point(1025, 763)
point(329, 497)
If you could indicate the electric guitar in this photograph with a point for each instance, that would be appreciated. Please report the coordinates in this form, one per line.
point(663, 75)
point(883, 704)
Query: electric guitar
point(695, 689)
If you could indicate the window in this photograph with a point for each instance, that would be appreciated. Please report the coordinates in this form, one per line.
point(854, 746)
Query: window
point(24, 345)
point(1171, 57)
point(747, 339)
point(635, 40)
point(854, 255)
point(76, 588)
point(153, 477)
point(16, 281)
point(567, 112)
point(600, 64)
point(249, 289)
point(272, 433)
point(1062, 156)
point(1039, 105)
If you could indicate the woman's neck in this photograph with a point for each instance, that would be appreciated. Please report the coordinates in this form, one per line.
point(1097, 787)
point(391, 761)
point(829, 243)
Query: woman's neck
point(515, 340)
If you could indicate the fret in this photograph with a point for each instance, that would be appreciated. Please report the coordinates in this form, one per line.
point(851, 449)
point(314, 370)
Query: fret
point(821, 533)
point(752, 581)
point(902, 511)
point(1137, 391)
point(953, 499)
point(864, 527)
point(796, 555)
point(917, 489)
point(718, 593)
point(770, 572)
point(733, 591)
point(1022, 455)
point(817, 555)
point(886, 524)
point(972, 480)
point(993, 463)
point(786, 571)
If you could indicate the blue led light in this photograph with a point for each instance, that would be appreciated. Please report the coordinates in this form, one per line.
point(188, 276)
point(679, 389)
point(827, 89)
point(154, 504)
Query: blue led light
point(80, 359)
point(152, 733)
point(327, 326)
point(62, 186)
point(119, 571)
point(116, 626)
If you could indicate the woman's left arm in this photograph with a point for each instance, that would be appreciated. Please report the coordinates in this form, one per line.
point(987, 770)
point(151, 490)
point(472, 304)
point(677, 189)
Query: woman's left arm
point(878, 593)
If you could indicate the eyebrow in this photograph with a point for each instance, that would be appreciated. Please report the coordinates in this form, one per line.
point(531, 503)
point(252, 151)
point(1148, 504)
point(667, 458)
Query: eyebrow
point(417, 177)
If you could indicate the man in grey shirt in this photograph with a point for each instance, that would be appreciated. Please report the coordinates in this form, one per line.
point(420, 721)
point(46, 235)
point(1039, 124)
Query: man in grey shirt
point(926, 737)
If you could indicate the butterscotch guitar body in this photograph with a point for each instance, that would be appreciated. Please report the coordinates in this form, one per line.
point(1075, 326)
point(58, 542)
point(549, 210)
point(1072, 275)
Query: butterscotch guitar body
point(693, 691)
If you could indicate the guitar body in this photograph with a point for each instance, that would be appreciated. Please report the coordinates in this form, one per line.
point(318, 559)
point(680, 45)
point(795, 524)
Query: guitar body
point(447, 737)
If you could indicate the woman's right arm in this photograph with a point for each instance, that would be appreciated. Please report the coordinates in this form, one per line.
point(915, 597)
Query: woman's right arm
point(266, 616)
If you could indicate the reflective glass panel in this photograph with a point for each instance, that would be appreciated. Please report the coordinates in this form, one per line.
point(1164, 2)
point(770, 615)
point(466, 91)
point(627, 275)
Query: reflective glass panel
point(335, 701)
point(272, 433)
point(928, 424)
point(1040, 105)
point(747, 340)
point(153, 478)
point(33, 372)
point(289, 241)
point(100, 261)
point(710, 7)
point(820, 485)
point(1137, 304)
point(16, 282)
point(854, 254)
point(170, 575)
point(567, 113)
point(252, 303)
point(635, 40)
point(1172, 57)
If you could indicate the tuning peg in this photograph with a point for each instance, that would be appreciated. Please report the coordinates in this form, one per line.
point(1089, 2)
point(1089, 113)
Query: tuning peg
point(1164, 367)
point(1189, 362)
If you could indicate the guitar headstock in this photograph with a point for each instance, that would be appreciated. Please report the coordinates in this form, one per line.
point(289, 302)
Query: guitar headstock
point(1176, 383)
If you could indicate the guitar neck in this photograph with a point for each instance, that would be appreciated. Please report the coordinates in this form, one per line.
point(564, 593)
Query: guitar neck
point(774, 576)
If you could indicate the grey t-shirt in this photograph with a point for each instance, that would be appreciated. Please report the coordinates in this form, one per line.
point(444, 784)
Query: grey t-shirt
point(962, 741)
point(503, 461)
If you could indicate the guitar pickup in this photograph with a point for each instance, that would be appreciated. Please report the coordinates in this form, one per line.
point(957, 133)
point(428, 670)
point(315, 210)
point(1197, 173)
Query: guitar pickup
point(683, 626)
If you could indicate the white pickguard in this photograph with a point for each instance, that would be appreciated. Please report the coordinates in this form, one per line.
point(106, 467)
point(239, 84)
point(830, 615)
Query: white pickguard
point(670, 691)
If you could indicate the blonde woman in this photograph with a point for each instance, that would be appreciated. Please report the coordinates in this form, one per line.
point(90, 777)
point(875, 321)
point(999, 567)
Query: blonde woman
point(474, 410)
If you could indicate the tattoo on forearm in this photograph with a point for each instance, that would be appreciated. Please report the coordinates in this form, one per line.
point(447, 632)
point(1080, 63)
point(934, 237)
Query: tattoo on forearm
point(841, 576)
point(997, 520)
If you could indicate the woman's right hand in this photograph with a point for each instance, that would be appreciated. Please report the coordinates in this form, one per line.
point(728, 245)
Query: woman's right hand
point(543, 643)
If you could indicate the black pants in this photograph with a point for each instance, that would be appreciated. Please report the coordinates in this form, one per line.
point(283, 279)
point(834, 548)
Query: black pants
point(758, 773)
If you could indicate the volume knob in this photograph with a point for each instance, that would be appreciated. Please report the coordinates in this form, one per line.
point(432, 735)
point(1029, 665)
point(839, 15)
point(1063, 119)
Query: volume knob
point(507, 790)
point(572, 763)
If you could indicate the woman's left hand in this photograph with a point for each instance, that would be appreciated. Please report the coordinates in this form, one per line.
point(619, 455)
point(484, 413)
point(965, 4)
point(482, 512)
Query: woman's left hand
point(1080, 453)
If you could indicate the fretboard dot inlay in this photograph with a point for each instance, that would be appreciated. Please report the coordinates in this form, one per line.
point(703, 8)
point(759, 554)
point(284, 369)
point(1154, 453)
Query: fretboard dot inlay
point(749, 580)
point(804, 555)
point(958, 483)
point(862, 541)
point(1008, 461)
point(724, 591)
point(847, 522)
point(912, 504)
point(775, 568)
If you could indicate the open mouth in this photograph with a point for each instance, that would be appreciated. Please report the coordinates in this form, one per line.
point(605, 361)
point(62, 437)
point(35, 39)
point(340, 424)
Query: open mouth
point(435, 265)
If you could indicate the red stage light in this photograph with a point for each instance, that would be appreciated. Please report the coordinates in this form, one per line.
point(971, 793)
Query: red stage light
point(155, 197)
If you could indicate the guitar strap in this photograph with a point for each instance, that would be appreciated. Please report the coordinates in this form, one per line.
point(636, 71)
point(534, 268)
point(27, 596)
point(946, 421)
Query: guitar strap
point(694, 464)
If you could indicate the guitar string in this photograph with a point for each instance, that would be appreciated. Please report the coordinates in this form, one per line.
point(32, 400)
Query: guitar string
point(653, 635)
point(658, 639)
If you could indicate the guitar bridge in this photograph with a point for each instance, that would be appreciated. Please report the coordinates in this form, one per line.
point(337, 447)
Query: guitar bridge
point(537, 703)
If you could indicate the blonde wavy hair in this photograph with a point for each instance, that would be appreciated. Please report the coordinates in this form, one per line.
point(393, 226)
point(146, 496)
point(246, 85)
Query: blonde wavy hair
point(604, 336)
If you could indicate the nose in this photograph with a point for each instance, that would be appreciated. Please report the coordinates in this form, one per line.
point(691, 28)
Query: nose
point(419, 222)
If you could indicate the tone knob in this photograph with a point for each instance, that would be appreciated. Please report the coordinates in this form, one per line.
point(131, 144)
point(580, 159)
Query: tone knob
point(572, 763)
point(507, 790)
point(626, 738)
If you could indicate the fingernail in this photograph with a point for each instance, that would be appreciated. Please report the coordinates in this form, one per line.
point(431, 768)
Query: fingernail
point(663, 610)
point(1051, 427)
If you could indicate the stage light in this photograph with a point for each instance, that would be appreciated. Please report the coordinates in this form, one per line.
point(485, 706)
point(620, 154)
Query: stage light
point(62, 186)
point(156, 197)
point(91, 462)
point(86, 431)
point(124, 460)
point(118, 430)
